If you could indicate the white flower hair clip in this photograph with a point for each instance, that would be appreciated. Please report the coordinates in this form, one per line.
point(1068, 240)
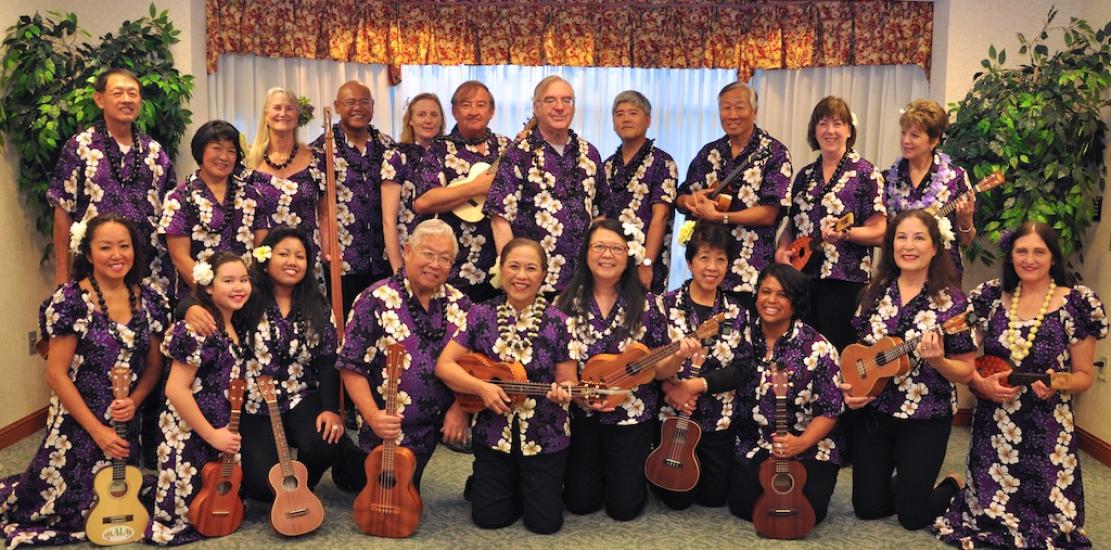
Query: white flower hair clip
point(945, 227)
point(76, 235)
point(202, 273)
point(855, 121)
point(262, 253)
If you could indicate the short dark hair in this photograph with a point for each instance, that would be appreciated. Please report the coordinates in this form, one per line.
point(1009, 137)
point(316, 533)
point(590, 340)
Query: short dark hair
point(1052, 242)
point(469, 87)
point(708, 235)
point(795, 285)
point(831, 107)
point(83, 266)
point(518, 242)
point(215, 130)
point(101, 83)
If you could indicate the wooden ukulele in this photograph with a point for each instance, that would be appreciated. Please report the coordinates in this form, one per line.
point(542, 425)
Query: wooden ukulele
point(782, 512)
point(988, 365)
point(637, 364)
point(995, 179)
point(389, 505)
point(804, 247)
point(868, 368)
point(723, 201)
point(117, 517)
point(471, 210)
point(217, 510)
point(296, 510)
point(673, 465)
point(512, 378)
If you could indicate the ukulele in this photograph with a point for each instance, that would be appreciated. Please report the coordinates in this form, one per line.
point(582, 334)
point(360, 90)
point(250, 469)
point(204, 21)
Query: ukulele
point(868, 368)
point(723, 201)
point(782, 512)
point(995, 179)
point(988, 365)
point(389, 505)
point(470, 210)
point(673, 465)
point(512, 378)
point(117, 517)
point(637, 364)
point(296, 510)
point(804, 247)
point(217, 510)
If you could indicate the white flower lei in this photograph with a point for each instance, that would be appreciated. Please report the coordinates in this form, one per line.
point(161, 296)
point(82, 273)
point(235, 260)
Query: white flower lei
point(516, 333)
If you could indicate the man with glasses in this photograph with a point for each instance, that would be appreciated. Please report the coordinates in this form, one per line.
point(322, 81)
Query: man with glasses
point(359, 147)
point(550, 185)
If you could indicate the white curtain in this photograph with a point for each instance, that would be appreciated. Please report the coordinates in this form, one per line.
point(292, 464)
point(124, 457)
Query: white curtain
point(684, 106)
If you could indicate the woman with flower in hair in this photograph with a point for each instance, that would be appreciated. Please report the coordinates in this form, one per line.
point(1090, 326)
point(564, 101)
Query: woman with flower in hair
point(194, 421)
point(905, 428)
point(840, 182)
point(926, 178)
point(608, 308)
point(1025, 489)
point(105, 317)
point(216, 209)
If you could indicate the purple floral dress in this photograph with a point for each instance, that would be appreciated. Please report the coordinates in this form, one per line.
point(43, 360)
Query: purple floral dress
point(401, 164)
point(284, 347)
point(182, 453)
point(359, 200)
point(923, 393)
point(84, 186)
point(606, 334)
point(649, 179)
point(538, 340)
point(387, 313)
point(767, 182)
point(48, 503)
point(944, 182)
point(191, 210)
point(550, 198)
point(448, 159)
point(293, 202)
point(814, 373)
point(1024, 485)
point(855, 187)
point(718, 411)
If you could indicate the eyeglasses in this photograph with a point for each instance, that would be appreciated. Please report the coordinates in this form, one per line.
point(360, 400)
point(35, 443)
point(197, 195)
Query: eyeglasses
point(433, 258)
point(361, 103)
point(551, 101)
point(612, 248)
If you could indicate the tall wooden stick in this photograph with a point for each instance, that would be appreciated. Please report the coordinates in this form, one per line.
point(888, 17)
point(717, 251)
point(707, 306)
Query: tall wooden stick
point(329, 233)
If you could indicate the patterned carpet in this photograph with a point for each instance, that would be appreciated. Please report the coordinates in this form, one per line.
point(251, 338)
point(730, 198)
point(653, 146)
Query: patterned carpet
point(447, 524)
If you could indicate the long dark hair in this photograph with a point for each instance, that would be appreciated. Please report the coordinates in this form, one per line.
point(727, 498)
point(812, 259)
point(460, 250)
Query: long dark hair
point(795, 285)
point(941, 274)
point(307, 297)
point(576, 297)
point(82, 263)
point(204, 299)
point(1052, 242)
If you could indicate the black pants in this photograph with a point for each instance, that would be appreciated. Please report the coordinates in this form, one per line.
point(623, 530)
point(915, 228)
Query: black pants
point(605, 467)
point(352, 460)
point(914, 450)
point(745, 488)
point(832, 304)
point(507, 486)
point(259, 452)
point(715, 460)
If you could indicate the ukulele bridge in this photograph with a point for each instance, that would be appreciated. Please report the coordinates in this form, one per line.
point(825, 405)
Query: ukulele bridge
point(672, 463)
point(860, 370)
point(783, 513)
point(297, 513)
point(384, 508)
point(112, 520)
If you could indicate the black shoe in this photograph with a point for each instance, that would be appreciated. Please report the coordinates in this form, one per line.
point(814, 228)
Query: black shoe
point(464, 448)
point(467, 488)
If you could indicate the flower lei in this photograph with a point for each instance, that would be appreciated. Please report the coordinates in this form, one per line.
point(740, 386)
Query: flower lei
point(357, 161)
point(232, 195)
point(1020, 350)
point(584, 331)
point(942, 173)
point(297, 328)
point(517, 332)
point(631, 178)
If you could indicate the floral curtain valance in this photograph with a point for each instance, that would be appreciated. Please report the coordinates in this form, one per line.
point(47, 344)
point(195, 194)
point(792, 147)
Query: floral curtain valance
point(656, 33)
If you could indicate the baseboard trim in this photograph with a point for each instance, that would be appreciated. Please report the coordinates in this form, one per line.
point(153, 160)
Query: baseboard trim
point(1098, 448)
point(963, 417)
point(23, 427)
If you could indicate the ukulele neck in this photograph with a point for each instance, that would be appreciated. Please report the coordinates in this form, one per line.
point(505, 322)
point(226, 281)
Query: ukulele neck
point(227, 460)
point(390, 445)
point(279, 437)
point(781, 428)
point(950, 206)
point(119, 465)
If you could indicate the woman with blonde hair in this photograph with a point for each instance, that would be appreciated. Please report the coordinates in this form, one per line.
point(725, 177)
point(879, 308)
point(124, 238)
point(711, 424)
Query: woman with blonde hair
point(422, 122)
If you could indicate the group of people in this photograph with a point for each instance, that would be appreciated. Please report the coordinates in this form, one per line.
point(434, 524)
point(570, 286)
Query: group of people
point(570, 260)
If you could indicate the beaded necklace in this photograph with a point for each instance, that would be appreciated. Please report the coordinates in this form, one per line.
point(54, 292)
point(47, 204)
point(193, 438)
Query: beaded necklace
point(281, 165)
point(456, 136)
point(285, 354)
point(623, 173)
point(127, 348)
point(360, 162)
point(422, 323)
point(1020, 350)
point(116, 157)
point(516, 333)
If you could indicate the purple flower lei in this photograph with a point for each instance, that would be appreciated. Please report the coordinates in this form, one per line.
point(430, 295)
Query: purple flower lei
point(942, 172)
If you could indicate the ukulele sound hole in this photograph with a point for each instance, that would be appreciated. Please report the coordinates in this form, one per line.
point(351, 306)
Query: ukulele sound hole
point(289, 483)
point(118, 488)
point(223, 488)
point(783, 483)
point(387, 480)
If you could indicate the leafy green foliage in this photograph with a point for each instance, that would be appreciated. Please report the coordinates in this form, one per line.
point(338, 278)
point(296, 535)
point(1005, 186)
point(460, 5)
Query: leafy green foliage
point(1040, 124)
point(46, 90)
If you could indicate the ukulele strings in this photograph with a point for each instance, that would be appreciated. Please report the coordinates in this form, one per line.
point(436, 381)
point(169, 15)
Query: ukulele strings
point(903, 348)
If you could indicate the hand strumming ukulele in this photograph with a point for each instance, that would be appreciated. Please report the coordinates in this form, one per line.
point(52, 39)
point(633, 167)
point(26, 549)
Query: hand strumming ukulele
point(783, 511)
point(296, 510)
point(995, 179)
point(217, 510)
point(512, 378)
point(868, 368)
point(389, 505)
point(673, 464)
point(117, 517)
point(805, 246)
point(637, 364)
point(471, 209)
point(723, 200)
point(988, 365)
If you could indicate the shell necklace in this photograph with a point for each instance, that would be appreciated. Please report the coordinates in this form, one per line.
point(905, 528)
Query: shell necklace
point(1019, 350)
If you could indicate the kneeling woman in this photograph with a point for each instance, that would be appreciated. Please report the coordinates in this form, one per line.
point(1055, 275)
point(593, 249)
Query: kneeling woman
point(779, 337)
point(609, 310)
point(101, 319)
point(520, 452)
point(295, 344)
point(196, 393)
point(905, 428)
